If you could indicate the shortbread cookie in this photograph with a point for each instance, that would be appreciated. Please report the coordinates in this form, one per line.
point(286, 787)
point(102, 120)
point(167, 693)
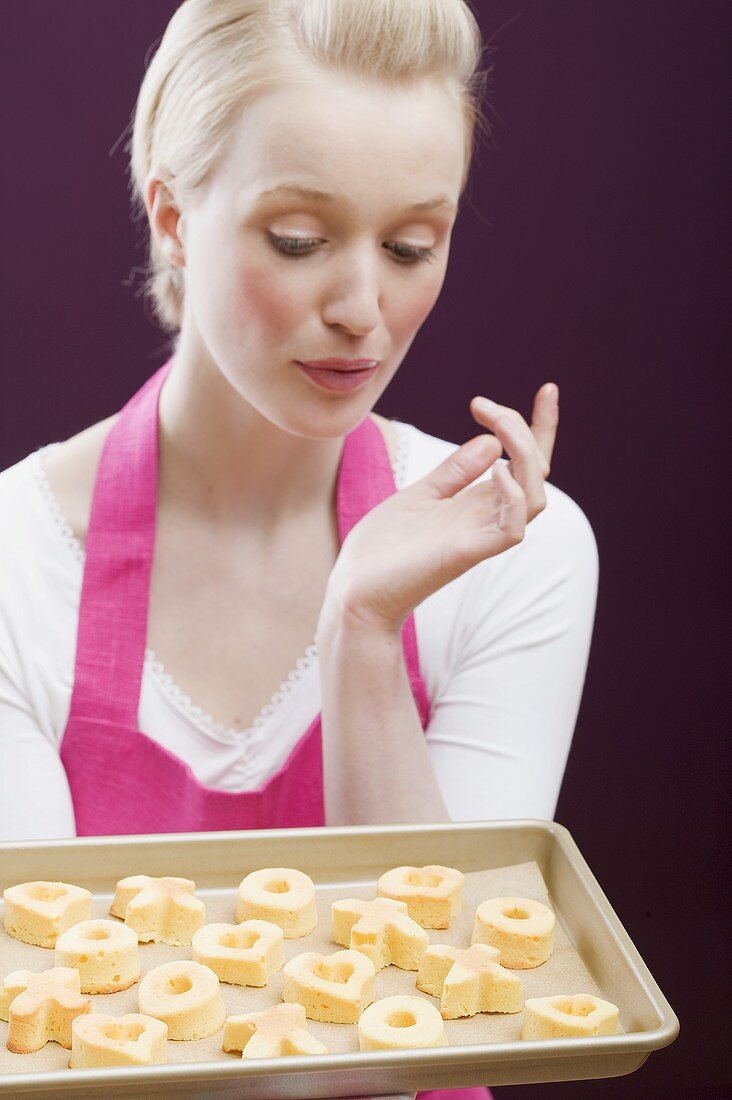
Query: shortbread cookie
point(164, 910)
point(469, 981)
point(335, 988)
point(382, 929)
point(281, 895)
point(40, 1007)
point(186, 996)
point(130, 1040)
point(278, 1032)
point(521, 929)
point(105, 954)
point(394, 1023)
point(433, 893)
point(241, 954)
point(38, 912)
point(562, 1017)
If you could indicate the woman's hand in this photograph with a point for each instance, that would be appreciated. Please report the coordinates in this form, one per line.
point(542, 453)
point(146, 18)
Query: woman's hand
point(417, 540)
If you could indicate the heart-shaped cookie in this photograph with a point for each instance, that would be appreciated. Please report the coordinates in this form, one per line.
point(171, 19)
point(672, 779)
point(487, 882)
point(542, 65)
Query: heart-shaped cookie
point(433, 894)
point(131, 1040)
point(568, 1016)
point(335, 988)
point(38, 912)
point(241, 954)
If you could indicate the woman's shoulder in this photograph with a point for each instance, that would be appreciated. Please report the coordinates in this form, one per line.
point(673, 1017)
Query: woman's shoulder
point(36, 562)
point(45, 500)
point(69, 469)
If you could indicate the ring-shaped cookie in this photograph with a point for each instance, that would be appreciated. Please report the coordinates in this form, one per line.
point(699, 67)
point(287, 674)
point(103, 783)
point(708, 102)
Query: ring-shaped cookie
point(522, 929)
point(282, 895)
point(399, 1022)
point(186, 996)
point(104, 952)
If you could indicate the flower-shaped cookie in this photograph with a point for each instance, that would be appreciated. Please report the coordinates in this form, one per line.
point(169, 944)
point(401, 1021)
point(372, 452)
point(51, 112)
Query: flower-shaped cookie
point(241, 954)
point(433, 893)
point(280, 1031)
point(38, 912)
point(159, 909)
point(382, 929)
point(130, 1040)
point(41, 1007)
point(335, 988)
point(469, 981)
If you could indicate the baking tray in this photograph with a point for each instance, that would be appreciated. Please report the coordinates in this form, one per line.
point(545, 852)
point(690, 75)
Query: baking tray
point(351, 859)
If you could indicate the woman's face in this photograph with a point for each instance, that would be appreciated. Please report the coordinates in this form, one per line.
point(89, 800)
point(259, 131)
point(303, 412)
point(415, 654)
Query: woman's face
point(373, 266)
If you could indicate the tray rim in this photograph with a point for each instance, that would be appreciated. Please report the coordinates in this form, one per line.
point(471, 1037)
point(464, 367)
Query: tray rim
point(641, 1042)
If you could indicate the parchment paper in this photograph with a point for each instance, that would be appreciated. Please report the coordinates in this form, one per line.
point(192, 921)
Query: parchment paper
point(563, 973)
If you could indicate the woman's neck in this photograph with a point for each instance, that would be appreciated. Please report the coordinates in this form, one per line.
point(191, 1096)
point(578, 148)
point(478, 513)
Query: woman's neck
point(225, 462)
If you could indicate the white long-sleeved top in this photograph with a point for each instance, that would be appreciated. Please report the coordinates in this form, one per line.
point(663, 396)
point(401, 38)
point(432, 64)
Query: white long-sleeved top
point(503, 652)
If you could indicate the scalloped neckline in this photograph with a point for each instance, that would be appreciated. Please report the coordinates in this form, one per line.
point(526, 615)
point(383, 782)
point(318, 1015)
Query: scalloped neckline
point(154, 667)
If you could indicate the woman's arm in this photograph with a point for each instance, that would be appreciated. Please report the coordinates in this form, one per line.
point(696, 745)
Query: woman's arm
point(413, 543)
point(503, 715)
point(35, 800)
point(376, 765)
point(502, 719)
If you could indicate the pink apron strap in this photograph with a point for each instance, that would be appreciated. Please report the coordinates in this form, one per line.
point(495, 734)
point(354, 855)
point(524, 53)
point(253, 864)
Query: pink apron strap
point(115, 593)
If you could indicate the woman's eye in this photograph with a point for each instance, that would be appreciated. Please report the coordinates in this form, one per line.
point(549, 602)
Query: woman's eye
point(294, 246)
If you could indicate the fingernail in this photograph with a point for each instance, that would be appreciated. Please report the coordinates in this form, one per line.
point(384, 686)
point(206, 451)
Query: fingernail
point(484, 403)
point(552, 390)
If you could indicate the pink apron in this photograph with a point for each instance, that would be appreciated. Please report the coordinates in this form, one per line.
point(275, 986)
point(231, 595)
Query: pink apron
point(121, 780)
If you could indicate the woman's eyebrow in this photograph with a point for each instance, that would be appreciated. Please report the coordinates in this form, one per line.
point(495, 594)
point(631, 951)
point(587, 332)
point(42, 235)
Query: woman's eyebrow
point(314, 194)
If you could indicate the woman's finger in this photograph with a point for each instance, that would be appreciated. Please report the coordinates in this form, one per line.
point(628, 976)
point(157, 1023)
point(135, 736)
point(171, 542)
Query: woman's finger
point(527, 463)
point(494, 505)
point(512, 504)
point(544, 420)
point(460, 468)
point(524, 465)
point(487, 412)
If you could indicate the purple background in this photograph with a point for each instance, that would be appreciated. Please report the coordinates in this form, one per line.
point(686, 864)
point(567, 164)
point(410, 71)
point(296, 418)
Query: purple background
point(591, 251)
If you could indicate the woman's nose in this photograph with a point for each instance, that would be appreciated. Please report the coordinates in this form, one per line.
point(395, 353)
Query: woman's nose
point(355, 300)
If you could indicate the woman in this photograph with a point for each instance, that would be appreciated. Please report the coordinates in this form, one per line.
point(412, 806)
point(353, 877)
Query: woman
point(301, 166)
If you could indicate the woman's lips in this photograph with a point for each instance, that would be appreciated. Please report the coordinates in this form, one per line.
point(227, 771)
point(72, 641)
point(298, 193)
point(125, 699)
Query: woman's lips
point(340, 380)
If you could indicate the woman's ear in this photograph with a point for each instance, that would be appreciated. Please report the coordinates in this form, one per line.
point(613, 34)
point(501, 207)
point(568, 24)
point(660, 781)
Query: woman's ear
point(167, 224)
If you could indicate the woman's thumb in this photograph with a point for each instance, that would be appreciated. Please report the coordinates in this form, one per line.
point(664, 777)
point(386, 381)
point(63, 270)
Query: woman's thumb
point(463, 466)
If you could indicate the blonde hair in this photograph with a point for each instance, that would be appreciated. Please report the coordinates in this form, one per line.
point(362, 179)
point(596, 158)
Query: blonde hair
point(216, 56)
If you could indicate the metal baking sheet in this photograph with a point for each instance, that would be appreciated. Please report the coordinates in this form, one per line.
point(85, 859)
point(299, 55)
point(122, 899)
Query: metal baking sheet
point(347, 862)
